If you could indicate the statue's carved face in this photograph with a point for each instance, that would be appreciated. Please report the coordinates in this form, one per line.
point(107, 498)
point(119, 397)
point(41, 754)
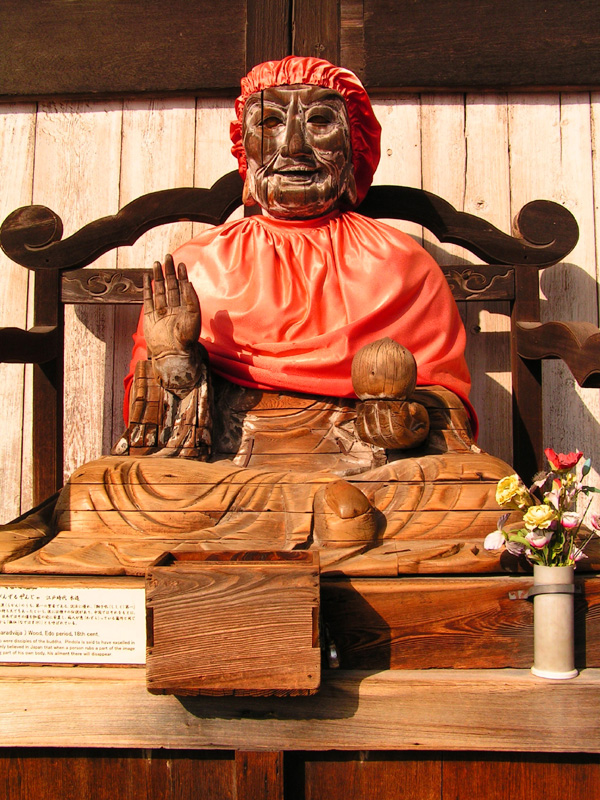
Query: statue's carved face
point(297, 143)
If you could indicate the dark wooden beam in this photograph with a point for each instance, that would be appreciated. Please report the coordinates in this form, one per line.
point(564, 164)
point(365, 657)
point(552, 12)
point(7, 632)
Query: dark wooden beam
point(474, 44)
point(316, 29)
point(269, 32)
point(47, 436)
point(108, 47)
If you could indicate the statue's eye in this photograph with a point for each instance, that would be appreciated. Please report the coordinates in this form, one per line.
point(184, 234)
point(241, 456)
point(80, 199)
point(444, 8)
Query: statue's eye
point(271, 122)
point(319, 120)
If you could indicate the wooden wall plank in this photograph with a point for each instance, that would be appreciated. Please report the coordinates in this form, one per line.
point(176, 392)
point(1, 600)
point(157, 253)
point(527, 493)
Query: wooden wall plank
point(110, 47)
point(76, 174)
point(487, 194)
point(443, 150)
point(58, 48)
point(157, 152)
point(17, 136)
point(550, 157)
point(400, 118)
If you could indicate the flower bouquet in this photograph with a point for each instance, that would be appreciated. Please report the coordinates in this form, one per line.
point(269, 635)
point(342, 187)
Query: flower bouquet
point(551, 534)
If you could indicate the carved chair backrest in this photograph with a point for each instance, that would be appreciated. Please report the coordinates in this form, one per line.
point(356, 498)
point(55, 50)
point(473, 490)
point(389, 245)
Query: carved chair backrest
point(545, 233)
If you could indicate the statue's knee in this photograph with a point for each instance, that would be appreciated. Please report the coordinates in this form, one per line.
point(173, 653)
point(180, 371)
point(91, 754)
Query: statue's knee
point(344, 516)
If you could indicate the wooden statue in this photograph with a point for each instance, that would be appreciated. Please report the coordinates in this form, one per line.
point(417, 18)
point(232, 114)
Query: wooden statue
point(306, 384)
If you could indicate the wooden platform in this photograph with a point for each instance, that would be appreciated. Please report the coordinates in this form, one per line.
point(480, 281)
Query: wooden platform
point(501, 710)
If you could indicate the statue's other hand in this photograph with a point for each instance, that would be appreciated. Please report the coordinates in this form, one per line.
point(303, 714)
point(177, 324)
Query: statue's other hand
point(392, 424)
point(172, 326)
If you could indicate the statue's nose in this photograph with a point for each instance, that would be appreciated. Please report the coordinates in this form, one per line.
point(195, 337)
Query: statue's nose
point(295, 139)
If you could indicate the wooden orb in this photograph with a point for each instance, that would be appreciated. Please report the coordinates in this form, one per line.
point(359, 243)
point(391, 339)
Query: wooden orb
point(384, 370)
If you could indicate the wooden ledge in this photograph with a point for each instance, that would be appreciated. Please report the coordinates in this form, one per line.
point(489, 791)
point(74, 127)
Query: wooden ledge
point(502, 710)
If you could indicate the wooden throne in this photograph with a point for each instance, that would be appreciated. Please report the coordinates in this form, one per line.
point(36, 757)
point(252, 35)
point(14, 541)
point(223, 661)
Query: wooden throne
point(378, 619)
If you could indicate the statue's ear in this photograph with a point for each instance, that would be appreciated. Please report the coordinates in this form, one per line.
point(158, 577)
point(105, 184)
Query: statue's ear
point(247, 196)
point(349, 195)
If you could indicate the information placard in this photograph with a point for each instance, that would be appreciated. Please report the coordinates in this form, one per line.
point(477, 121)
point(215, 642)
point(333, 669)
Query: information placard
point(72, 625)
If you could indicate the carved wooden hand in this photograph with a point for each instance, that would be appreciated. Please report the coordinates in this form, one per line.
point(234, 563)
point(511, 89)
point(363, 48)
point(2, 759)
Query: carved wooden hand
point(384, 374)
point(172, 327)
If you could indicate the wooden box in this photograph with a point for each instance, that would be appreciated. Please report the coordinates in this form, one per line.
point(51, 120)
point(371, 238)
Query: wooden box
point(233, 623)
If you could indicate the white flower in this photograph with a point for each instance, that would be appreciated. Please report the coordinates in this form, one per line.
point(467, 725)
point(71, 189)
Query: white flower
point(494, 540)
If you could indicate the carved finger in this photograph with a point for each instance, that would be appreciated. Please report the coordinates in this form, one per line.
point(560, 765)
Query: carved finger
point(147, 296)
point(160, 303)
point(173, 298)
point(188, 293)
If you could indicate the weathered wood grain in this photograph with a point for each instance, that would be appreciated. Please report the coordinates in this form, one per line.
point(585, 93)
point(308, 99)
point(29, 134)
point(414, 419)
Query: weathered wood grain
point(391, 710)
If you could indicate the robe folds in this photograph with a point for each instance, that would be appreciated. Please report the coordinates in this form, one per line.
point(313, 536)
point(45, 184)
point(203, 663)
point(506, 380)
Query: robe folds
point(287, 304)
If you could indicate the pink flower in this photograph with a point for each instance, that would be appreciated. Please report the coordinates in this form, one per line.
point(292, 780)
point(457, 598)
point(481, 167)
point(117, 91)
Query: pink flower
point(570, 520)
point(578, 554)
point(539, 539)
point(560, 461)
point(595, 520)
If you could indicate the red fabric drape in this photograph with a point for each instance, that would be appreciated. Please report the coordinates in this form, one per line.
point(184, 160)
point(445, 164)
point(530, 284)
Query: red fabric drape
point(287, 304)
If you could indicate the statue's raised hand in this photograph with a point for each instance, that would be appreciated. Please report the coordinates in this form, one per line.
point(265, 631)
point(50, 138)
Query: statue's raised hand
point(172, 327)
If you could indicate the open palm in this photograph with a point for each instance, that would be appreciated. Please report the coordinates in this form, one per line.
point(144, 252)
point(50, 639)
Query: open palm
point(171, 311)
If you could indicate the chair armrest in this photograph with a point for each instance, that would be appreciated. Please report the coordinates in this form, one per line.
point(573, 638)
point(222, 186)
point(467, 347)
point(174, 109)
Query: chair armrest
point(35, 346)
point(576, 343)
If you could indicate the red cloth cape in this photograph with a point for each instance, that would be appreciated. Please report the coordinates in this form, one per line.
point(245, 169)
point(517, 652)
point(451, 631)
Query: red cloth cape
point(287, 304)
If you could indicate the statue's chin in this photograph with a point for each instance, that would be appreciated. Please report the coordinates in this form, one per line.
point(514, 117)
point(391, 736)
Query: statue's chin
point(298, 199)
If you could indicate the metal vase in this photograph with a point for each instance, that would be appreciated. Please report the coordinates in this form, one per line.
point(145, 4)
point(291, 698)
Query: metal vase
point(553, 622)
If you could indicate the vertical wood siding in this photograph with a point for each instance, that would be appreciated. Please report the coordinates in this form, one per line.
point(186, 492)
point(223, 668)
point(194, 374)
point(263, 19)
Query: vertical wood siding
point(487, 154)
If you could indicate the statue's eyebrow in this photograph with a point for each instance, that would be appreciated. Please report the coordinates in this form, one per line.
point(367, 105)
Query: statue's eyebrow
point(269, 103)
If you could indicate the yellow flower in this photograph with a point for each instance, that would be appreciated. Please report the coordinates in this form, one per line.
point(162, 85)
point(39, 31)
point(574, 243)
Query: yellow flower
point(512, 492)
point(539, 517)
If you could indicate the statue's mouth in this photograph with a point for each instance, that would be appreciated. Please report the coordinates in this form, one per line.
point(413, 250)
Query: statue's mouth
point(296, 170)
